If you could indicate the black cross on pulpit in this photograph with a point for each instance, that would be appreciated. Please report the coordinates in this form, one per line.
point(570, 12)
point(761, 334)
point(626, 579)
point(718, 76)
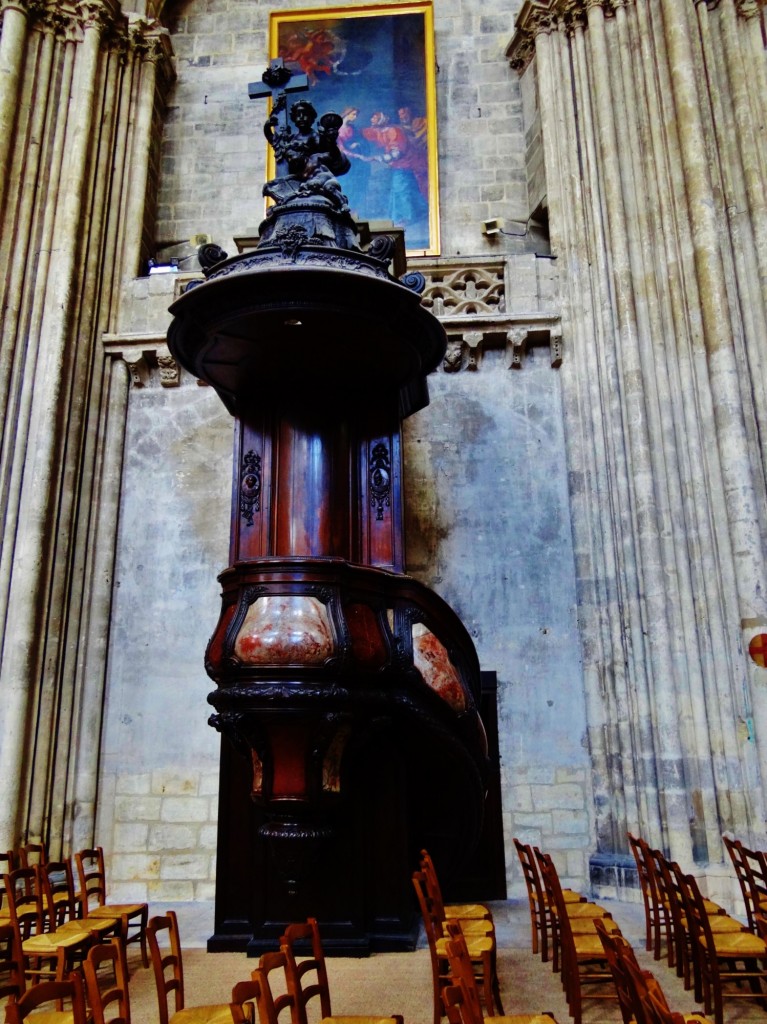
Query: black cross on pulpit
point(277, 81)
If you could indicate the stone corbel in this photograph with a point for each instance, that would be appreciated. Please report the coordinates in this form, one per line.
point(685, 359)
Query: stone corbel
point(169, 371)
point(555, 343)
point(453, 355)
point(517, 338)
point(473, 340)
point(137, 365)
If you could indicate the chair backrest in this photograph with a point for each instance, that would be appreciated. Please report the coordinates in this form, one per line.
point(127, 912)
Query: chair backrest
point(271, 1006)
point(109, 1002)
point(530, 874)
point(7, 864)
point(166, 962)
point(751, 872)
point(735, 849)
point(641, 851)
point(462, 971)
point(431, 922)
point(695, 912)
point(31, 854)
point(12, 982)
point(454, 1001)
point(672, 876)
point(312, 962)
point(58, 892)
point(91, 877)
point(25, 901)
point(245, 1001)
point(616, 950)
point(556, 899)
point(70, 990)
point(644, 992)
point(433, 889)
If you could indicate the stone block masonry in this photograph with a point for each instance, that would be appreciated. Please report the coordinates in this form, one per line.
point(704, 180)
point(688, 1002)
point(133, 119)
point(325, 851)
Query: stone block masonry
point(164, 837)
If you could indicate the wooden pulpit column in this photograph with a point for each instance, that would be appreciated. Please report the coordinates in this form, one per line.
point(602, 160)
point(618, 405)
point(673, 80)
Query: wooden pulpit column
point(346, 691)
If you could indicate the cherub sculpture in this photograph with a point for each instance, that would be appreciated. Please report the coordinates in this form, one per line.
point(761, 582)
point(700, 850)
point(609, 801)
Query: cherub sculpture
point(308, 159)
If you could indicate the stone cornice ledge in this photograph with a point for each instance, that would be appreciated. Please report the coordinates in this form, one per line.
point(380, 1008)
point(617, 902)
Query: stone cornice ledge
point(147, 356)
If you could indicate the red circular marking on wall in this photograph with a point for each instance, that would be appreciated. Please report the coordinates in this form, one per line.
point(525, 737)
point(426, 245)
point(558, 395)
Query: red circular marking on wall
point(758, 649)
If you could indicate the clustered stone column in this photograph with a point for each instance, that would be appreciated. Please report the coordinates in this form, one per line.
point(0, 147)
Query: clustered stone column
point(68, 192)
point(650, 121)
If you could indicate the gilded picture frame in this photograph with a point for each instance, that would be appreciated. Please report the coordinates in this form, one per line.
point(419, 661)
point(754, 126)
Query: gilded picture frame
point(375, 66)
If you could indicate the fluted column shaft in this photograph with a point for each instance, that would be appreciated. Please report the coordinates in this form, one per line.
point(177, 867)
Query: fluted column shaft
point(12, 48)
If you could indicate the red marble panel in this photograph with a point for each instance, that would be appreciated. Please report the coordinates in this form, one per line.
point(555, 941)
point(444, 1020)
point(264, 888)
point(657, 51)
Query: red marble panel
point(286, 629)
point(431, 659)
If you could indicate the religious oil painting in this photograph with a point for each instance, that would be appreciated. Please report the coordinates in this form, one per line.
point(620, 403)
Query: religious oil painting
point(375, 67)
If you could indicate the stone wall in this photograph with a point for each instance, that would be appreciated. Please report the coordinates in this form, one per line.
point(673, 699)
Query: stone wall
point(214, 152)
point(488, 526)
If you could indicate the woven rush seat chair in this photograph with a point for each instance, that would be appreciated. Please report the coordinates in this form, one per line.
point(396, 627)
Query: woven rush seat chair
point(473, 926)
point(7, 864)
point(540, 908)
point(684, 956)
point(580, 914)
point(452, 911)
point(60, 949)
point(63, 908)
point(730, 965)
point(106, 983)
point(12, 981)
point(751, 871)
point(169, 977)
point(458, 1012)
point(632, 983)
point(27, 1007)
point(307, 978)
point(470, 1003)
point(481, 952)
point(658, 927)
point(93, 899)
point(585, 971)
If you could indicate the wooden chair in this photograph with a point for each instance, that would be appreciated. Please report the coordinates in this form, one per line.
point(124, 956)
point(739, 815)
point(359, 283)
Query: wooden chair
point(729, 962)
point(656, 913)
point(481, 952)
point(540, 910)
point(453, 911)
point(685, 953)
point(246, 999)
point(7, 864)
point(751, 871)
point(270, 1006)
point(93, 887)
point(639, 993)
point(169, 977)
point(462, 973)
point(31, 854)
point(581, 914)
point(107, 959)
point(480, 924)
point(12, 981)
point(301, 990)
point(55, 992)
point(63, 908)
point(59, 949)
point(458, 1012)
point(584, 962)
